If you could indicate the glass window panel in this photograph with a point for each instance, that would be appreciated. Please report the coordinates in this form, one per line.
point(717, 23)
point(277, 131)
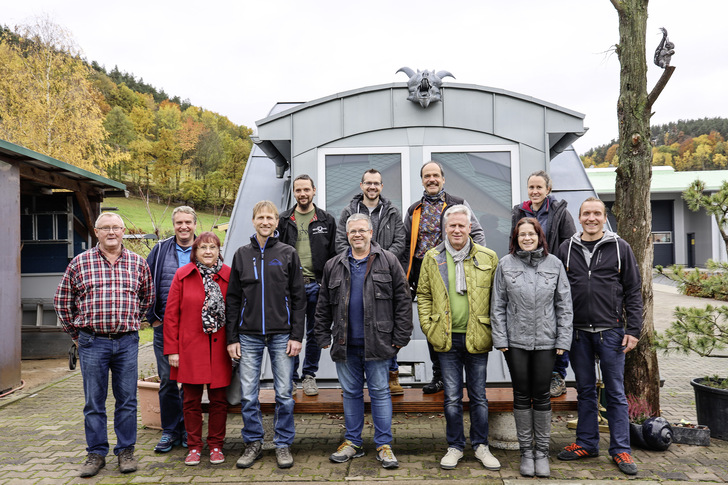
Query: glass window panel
point(484, 180)
point(343, 176)
point(26, 227)
point(45, 226)
point(62, 227)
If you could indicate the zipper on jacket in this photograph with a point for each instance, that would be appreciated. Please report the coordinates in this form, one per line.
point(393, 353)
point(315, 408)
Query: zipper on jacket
point(262, 283)
point(288, 312)
point(242, 312)
point(255, 268)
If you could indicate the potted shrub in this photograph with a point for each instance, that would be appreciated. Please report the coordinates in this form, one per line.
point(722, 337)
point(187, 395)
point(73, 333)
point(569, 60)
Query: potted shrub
point(702, 331)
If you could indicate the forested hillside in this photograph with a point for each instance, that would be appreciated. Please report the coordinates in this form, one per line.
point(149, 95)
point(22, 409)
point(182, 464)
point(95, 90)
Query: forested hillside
point(109, 122)
point(684, 145)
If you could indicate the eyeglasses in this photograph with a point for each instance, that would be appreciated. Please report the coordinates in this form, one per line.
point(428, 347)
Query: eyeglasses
point(210, 247)
point(372, 184)
point(108, 229)
point(356, 232)
point(527, 234)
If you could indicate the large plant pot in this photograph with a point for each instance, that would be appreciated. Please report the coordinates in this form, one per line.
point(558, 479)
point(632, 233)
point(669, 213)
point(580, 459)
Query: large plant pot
point(711, 405)
point(148, 402)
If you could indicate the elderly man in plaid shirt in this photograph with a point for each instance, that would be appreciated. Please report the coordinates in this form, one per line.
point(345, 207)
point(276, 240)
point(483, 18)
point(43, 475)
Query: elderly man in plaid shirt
point(100, 302)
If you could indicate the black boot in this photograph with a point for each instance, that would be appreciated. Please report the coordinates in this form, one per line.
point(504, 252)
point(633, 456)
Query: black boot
point(542, 434)
point(524, 430)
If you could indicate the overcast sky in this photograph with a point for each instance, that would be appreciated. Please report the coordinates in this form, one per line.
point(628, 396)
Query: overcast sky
point(239, 58)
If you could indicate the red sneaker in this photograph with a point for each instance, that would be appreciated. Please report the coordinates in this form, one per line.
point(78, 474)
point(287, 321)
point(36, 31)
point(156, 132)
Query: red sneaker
point(216, 456)
point(193, 458)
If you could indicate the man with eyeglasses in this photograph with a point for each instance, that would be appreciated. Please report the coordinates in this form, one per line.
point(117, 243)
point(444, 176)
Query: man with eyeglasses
point(388, 232)
point(312, 231)
point(365, 305)
point(100, 302)
point(164, 260)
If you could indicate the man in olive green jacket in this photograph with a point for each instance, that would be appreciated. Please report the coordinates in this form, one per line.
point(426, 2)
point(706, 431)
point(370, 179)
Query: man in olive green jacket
point(453, 301)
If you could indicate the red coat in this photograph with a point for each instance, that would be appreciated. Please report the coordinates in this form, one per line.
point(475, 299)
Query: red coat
point(203, 358)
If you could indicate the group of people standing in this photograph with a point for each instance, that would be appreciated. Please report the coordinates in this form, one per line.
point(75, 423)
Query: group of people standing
point(349, 287)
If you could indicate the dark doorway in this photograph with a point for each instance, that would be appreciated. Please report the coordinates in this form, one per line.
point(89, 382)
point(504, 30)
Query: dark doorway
point(691, 250)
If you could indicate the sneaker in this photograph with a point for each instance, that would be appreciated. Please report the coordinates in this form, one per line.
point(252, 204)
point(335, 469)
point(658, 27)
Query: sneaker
point(386, 456)
point(436, 385)
point(558, 385)
point(184, 439)
point(451, 459)
point(252, 452)
point(625, 463)
point(284, 457)
point(483, 454)
point(216, 456)
point(309, 386)
point(127, 462)
point(576, 452)
point(395, 388)
point(346, 451)
point(193, 457)
point(92, 465)
point(166, 442)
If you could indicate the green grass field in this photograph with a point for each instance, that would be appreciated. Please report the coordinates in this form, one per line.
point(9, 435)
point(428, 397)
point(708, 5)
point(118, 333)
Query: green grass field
point(137, 220)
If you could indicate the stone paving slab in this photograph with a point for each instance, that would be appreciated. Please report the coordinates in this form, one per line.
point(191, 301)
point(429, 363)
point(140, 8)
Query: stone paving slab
point(42, 441)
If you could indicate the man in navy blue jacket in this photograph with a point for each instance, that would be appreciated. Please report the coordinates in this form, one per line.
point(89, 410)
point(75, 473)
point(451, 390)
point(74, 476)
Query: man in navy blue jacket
point(165, 258)
point(606, 292)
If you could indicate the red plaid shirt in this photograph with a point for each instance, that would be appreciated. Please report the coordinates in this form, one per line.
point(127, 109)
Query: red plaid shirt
point(104, 297)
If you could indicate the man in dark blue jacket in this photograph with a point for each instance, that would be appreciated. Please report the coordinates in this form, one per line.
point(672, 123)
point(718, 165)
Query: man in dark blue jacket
point(164, 260)
point(265, 309)
point(365, 314)
point(605, 288)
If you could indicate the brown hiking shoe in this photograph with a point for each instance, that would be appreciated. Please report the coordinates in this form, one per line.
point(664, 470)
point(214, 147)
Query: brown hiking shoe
point(395, 389)
point(94, 463)
point(127, 462)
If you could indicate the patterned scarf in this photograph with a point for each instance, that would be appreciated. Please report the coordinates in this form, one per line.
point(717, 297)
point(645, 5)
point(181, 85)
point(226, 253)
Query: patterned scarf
point(458, 257)
point(430, 232)
point(213, 309)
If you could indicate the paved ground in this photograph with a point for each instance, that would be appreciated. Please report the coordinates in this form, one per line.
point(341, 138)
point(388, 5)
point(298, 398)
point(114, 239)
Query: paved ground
point(42, 441)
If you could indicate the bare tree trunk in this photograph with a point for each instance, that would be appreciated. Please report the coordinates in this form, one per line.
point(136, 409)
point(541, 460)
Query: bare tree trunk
point(632, 197)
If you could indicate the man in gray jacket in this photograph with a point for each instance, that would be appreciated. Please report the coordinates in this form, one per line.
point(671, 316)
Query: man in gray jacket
point(364, 313)
point(387, 231)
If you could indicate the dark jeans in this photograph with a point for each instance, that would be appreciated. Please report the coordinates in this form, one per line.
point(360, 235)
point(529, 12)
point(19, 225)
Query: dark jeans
point(607, 346)
point(170, 396)
point(562, 362)
point(531, 377)
point(313, 351)
point(476, 365)
point(98, 356)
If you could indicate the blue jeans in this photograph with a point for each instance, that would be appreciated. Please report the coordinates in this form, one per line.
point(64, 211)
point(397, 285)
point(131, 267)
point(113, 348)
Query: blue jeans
point(313, 351)
point(452, 364)
point(98, 356)
point(170, 396)
point(606, 345)
point(251, 349)
point(562, 362)
point(351, 374)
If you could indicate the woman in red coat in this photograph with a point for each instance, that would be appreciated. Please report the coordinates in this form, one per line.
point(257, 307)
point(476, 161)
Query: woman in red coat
point(194, 340)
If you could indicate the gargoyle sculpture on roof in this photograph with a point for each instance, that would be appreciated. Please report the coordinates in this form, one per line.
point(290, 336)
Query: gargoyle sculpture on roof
point(664, 51)
point(424, 86)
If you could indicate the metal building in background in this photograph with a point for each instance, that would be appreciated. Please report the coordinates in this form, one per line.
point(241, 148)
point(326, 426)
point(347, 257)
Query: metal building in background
point(487, 139)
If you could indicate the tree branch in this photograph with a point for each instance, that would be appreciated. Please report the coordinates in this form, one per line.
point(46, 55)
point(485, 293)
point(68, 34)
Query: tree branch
point(617, 4)
point(661, 83)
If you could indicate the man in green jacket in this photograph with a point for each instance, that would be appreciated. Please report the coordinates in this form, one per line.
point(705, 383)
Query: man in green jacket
point(453, 300)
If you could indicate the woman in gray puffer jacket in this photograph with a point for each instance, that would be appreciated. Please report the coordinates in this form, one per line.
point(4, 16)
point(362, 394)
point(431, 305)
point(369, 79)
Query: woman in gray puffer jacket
point(531, 321)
